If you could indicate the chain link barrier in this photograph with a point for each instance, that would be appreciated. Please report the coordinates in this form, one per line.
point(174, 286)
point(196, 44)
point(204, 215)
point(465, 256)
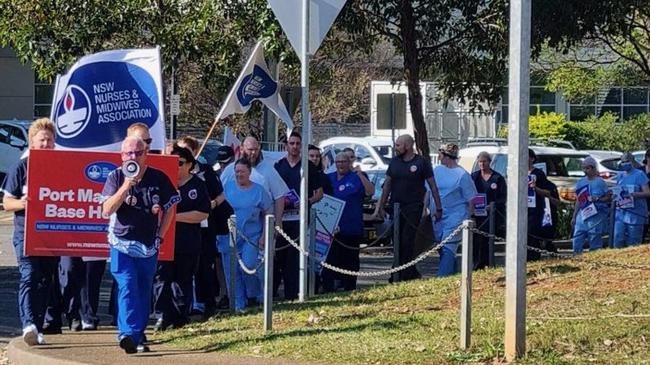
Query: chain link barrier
point(570, 256)
point(357, 248)
point(421, 257)
point(242, 265)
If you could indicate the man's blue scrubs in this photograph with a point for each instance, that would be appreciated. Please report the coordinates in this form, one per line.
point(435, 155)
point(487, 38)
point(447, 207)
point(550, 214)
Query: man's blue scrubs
point(132, 233)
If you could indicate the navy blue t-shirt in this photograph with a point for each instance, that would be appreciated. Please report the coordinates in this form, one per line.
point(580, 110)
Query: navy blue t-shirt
point(214, 188)
point(15, 185)
point(407, 179)
point(194, 196)
point(291, 176)
point(136, 221)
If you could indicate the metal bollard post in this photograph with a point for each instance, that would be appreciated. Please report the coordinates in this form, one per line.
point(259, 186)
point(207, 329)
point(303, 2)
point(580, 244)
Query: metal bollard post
point(311, 262)
point(492, 224)
point(396, 241)
point(233, 267)
point(466, 287)
point(612, 221)
point(269, 253)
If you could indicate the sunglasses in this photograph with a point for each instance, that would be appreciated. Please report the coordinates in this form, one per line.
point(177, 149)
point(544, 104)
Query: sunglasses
point(147, 140)
point(133, 153)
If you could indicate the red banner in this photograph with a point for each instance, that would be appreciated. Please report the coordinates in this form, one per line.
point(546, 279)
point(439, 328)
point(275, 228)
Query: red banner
point(64, 212)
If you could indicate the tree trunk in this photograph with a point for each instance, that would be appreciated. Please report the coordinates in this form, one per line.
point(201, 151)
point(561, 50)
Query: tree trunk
point(412, 76)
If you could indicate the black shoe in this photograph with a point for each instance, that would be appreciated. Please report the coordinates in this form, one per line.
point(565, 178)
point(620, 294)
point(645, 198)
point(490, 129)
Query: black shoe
point(224, 303)
point(252, 303)
point(49, 329)
point(75, 325)
point(143, 348)
point(161, 325)
point(128, 345)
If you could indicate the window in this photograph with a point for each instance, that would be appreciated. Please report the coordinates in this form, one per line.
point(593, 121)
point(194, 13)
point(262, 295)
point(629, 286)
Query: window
point(43, 94)
point(540, 100)
point(624, 102)
point(384, 113)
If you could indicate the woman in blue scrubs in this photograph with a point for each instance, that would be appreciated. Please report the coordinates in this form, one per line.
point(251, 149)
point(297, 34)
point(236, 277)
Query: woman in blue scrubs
point(628, 225)
point(456, 190)
point(589, 221)
point(251, 203)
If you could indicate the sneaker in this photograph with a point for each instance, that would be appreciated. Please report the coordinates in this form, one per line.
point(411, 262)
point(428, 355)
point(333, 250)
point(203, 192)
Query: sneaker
point(30, 335)
point(161, 325)
point(88, 326)
point(128, 345)
point(143, 348)
point(40, 339)
point(75, 325)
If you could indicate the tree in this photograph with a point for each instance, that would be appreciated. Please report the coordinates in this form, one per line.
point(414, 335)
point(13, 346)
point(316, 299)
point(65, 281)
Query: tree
point(459, 44)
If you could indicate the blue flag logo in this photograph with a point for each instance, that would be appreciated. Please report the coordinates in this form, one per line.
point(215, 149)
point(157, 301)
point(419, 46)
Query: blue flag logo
point(98, 171)
point(256, 85)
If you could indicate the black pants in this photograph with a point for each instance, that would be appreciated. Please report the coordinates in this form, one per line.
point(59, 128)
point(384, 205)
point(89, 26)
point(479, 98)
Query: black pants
point(172, 288)
point(287, 262)
point(205, 280)
point(409, 221)
point(342, 257)
point(480, 249)
point(80, 284)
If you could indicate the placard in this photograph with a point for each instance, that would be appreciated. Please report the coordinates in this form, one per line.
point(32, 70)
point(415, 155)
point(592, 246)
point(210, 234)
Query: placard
point(64, 212)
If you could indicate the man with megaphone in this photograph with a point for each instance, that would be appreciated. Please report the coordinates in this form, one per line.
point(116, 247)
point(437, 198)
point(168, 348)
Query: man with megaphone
point(138, 199)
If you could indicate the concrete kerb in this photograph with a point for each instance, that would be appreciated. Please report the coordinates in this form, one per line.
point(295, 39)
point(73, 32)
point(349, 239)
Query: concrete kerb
point(100, 348)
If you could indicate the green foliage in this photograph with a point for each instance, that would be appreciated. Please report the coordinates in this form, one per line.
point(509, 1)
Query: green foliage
point(607, 133)
point(595, 133)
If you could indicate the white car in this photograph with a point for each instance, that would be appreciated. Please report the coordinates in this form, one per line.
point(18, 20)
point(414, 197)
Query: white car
point(607, 162)
point(562, 165)
point(372, 153)
point(13, 142)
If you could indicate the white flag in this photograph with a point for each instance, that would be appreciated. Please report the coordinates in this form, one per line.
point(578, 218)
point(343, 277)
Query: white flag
point(255, 83)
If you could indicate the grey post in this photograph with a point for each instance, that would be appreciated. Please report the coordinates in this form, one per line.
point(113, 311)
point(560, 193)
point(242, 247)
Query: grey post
point(233, 267)
point(612, 221)
point(492, 224)
point(311, 264)
point(517, 226)
point(466, 286)
point(269, 252)
point(306, 139)
point(396, 241)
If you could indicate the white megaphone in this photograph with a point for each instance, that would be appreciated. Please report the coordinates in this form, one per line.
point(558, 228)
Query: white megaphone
point(130, 168)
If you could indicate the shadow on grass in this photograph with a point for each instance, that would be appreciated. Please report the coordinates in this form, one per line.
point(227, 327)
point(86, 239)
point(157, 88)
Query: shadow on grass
point(266, 338)
point(548, 270)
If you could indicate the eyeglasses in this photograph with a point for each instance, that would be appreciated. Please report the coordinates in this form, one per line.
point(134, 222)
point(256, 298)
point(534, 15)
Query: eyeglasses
point(137, 153)
point(147, 140)
point(181, 162)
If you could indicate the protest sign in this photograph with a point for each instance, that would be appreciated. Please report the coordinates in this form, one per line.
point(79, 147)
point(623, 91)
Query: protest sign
point(587, 208)
point(64, 212)
point(328, 214)
point(103, 94)
point(532, 202)
point(480, 205)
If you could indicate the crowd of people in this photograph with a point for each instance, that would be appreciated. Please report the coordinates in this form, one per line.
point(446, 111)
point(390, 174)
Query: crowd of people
point(250, 187)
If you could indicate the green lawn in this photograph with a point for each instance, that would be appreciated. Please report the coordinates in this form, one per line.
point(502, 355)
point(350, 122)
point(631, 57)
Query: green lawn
point(579, 312)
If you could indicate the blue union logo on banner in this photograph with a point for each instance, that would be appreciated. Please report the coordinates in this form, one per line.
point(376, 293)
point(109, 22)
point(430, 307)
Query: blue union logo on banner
point(101, 100)
point(257, 85)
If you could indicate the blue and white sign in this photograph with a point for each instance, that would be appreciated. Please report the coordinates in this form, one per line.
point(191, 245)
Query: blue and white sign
point(98, 171)
point(103, 94)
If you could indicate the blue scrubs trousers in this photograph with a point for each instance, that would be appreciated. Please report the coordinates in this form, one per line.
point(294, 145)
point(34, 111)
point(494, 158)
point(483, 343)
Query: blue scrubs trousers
point(134, 278)
point(246, 286)
point(626, 234)
point(591, 229)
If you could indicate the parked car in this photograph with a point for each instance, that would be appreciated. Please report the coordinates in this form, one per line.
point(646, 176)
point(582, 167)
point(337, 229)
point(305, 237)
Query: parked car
point(563, 166)
point(209, 153)
point(13, 143)
point(372, 153)
point(374, 228)
point(607, 163)
point(639, 156)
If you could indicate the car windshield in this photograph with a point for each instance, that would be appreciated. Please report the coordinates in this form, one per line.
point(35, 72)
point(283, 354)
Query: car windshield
point(210, 152)
point(555, 165)
point(377, 178)
point(385, 151)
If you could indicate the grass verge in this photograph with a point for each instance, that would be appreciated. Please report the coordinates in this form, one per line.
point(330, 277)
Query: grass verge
point(579, 312)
